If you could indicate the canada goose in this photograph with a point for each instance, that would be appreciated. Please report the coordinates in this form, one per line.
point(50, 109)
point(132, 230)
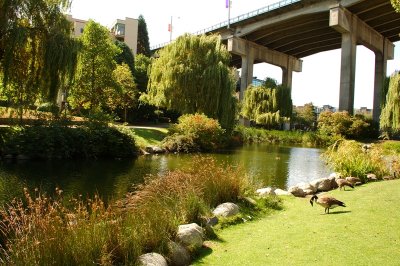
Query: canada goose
point(342, 183)
point(327, 202)
point(353, 180)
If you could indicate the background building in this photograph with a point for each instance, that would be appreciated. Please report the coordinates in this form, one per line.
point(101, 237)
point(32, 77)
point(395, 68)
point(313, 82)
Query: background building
point(125, 30)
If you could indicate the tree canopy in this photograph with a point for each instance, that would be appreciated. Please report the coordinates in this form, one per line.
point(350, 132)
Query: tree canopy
point(95, 68)
point(267, 105)
point(390, 116)
point(125, 56)
point(192, 75)
point(396, 5)
point(143, 45)
point(37, 53)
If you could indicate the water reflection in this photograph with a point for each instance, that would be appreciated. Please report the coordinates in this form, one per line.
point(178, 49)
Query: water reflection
point(278, 166)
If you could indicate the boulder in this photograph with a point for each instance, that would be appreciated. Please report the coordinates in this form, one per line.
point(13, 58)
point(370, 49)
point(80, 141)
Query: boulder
point(152, 259)
point(178, 255)
point(322, 184)
point(371, 177)
point(307, 188)
point(265, 191)
point(296, 191)
point(154, 150)
point(281, 192)
point(226, 209)
point(190, 236)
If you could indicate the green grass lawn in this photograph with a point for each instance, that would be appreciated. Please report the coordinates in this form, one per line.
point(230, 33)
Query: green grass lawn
point(149, 136)
point(366, 232)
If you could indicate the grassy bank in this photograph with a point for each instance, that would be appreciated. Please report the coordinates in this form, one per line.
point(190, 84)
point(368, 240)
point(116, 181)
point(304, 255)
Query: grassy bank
point(149, 136)
point(364, 233)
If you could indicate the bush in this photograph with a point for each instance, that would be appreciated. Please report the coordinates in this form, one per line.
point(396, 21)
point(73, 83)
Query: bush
point(348, 158)
point(56, 141)
point(194, 132)
point(342, 124)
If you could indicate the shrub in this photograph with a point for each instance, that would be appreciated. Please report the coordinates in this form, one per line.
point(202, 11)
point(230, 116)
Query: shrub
point(348, 158)
point(56, 141)
point(342, 124)
point(194, 132)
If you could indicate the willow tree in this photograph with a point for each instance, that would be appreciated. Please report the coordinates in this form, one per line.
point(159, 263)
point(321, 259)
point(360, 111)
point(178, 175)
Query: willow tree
point(95, 69)
point(267, 106)
point(192, 75)
point(390, 116)
point(36, 51)
point(396, 5)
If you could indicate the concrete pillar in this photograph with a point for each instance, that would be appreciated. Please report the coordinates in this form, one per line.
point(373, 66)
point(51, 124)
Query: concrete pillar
point(380, 75)
point(347, 72)
point(287, 74)
point(246, 77)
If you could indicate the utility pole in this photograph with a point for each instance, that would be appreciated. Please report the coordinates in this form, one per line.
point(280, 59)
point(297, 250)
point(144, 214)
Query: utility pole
point(170, 31)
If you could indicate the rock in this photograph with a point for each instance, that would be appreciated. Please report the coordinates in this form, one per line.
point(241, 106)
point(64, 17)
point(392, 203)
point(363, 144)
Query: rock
point(265, 191)
point(249, 201)
point(190, 236)
point(296, 191)
point(307, 188)
point(388, 177)
point(371, 177)
point(152, 259)
point(154, 149)
point(178, 255)
point(322, 184)
point(281, 192)
point(335, 175)
point(226, 209)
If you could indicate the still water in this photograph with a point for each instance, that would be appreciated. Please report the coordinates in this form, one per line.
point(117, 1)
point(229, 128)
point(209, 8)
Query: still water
point(269, 165)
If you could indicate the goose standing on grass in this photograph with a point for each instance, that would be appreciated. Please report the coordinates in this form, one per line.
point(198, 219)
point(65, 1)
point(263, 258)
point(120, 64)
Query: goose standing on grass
point(354, 180)
point(327, 202)
point(342, 183)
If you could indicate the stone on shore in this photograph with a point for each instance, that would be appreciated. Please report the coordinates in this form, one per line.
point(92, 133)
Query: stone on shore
point(265, 191)
point(178, 255)
point(226, 209)
point(152, 259)
point(190, 236)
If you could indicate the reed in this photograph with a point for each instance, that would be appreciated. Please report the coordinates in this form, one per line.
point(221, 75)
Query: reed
point(38, 230)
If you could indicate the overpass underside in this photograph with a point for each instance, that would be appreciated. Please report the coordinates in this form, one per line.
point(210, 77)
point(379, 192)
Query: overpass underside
point(283, 36)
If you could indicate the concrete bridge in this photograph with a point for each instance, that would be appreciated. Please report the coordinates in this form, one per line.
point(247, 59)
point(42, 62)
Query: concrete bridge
point(282, 33)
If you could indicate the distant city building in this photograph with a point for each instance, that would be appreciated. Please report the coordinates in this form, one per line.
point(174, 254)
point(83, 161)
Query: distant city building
point(125, 30)
point(364, 111)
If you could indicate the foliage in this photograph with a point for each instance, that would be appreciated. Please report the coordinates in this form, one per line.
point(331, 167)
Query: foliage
point(143, 45)
point(125, 56)
point(306, 116)
point(191, 75)
point(267, 106)
point(57, 141)
point(396, 5)
point(194, 132)
point(390, 116)
point(126, 94)
point(37, 54)
point(49, 231)
point(149, 136)
point(342, 124)
point(257, 135)
point(348, 158)
point(142, 65)
point(95, 68)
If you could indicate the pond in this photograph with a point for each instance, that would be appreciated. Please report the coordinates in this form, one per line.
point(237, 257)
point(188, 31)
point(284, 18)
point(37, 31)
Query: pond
point(269, 165)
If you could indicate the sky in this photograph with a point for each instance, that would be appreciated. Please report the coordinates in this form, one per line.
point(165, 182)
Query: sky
point(317, 83)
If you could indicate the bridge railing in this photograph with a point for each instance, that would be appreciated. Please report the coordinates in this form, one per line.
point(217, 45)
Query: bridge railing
point(238, 19)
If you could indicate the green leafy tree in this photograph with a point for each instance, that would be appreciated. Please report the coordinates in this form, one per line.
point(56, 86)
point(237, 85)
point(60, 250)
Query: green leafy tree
point(37, 53)
point(193, 75)
point(143, 45)
point(142, 64)
point(267, 105)
point(306, 115)
point(125, 95)
point(342, 124)
point(126, 56)
point(390, 116)
point(95, 69)
point(396, 5)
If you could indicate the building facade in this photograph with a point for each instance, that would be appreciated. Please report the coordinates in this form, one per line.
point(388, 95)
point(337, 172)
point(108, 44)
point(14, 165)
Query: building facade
point(125, 30)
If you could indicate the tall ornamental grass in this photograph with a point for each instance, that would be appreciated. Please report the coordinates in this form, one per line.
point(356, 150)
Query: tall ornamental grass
point(42, 231)
point(350, 159)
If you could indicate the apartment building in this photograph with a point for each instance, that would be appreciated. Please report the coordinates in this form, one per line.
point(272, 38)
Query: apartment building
point(125, 30)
